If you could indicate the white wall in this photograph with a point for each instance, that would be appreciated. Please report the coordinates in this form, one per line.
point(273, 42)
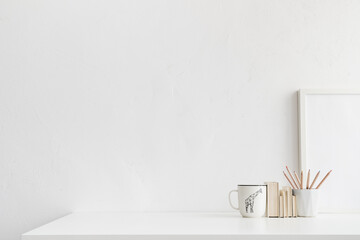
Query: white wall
point(157, 105)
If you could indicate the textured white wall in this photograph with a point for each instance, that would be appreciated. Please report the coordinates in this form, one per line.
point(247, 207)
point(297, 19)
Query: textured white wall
point(157, 105)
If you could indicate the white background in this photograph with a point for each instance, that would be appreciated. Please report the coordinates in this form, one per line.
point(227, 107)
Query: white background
point(157, 105)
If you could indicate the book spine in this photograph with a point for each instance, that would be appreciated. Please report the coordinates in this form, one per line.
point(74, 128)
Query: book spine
point(277, 199)
point(272, 201)
point(281, 206)
point(294, 206)
point(290, 201)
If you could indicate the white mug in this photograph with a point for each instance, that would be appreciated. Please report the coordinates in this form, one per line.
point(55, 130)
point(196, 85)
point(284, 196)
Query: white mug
point(251, 200)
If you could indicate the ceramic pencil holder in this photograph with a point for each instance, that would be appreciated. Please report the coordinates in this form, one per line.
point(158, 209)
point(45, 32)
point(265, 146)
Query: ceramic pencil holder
point(307, 202)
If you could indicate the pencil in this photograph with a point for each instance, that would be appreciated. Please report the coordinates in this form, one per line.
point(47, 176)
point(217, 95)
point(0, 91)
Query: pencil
point(308, 179)
point(292, 177)
point(302, 179)
point(323, 179)
point(297, 179)
point(289, 180)
point(313, 182)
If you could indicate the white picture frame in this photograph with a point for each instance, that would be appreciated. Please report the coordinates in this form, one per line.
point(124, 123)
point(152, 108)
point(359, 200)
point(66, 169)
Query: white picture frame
point(320, 113)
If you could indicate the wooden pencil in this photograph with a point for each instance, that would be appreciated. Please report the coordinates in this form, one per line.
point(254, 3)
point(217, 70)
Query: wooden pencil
point(292, 177)
point(297, 179)
point(323, 179)
point(313, 182)
point(302, 179)
point(289, 180)
point(308, 180)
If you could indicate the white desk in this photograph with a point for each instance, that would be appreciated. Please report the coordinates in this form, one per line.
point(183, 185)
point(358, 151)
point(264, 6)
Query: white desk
point(199, 226)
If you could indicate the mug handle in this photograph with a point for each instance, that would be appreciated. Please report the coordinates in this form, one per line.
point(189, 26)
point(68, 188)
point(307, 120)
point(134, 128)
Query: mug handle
point(236, 208)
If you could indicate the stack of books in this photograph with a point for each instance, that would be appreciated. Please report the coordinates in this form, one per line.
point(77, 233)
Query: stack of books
point(280, 203)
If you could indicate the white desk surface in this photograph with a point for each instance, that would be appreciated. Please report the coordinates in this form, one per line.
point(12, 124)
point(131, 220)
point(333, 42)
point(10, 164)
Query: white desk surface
point(174, 225)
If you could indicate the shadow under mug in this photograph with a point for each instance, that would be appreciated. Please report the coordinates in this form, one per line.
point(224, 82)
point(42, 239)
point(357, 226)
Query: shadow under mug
point(251, 200)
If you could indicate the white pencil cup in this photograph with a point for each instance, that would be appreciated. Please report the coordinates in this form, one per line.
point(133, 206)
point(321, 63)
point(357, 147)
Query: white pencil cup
point(307, 202)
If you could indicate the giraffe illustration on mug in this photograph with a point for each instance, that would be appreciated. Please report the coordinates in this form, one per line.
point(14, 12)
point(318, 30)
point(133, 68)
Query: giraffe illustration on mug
point(250, 201)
